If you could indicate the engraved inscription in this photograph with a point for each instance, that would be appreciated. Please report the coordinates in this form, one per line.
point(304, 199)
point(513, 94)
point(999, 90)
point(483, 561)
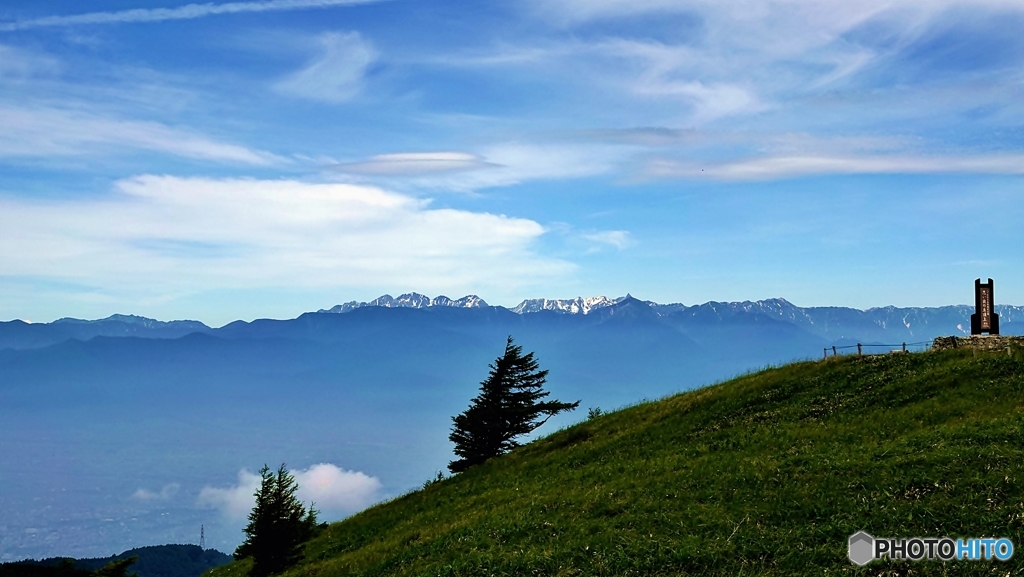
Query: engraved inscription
point(986, 308)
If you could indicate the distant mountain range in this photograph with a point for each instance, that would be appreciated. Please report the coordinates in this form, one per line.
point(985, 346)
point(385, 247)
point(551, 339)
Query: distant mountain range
point(897, 324)
point(21, 335)
point(92, 412)
point(578, 305)
point(828, 322)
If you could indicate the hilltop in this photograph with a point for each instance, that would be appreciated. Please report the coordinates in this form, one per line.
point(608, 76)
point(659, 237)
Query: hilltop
point(766, 474)
point(153, 561)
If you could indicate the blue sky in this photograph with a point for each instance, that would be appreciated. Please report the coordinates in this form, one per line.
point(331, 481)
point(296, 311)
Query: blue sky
point(254, 159)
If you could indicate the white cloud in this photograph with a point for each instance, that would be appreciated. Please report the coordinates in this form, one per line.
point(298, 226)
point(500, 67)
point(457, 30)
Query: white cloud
point(819, 17)
point(619, 239)
point(804, 144)
point(709, 101)
point(17, 63)
point(50, 132)
point(234, 502)
point(732, 57)
point(510, 163)
point(503, 56)
point(529, 161)
point(187, 12)
point(336, 75)
point(681, 72)
point(777, 167)
point(164, 235)
point(650, 69)
point(334, 491)
point(164, 494)
point(501, 164)
point(414, 163)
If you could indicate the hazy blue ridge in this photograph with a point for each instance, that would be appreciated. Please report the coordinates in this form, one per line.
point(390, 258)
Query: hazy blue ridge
point(153, 561)
point(21, 335)
point(882, 324)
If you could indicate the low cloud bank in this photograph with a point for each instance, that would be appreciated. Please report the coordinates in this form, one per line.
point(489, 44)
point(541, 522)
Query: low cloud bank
point(335, 492)
point(164, 494)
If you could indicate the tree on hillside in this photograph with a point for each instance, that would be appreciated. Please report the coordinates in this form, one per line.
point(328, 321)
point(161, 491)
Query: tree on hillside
point(278, 526)
point(117, 568)
point(509, 405)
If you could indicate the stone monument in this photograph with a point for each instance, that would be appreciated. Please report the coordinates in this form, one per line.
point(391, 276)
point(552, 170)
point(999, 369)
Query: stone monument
point(985, 319)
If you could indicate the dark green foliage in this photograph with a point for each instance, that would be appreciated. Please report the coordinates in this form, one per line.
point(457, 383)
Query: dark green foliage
point(66, 567)
point(278, 526)
point(174, 560)
point(59, 568)
point(509, 405)
point(768, 475)
point(154, 561)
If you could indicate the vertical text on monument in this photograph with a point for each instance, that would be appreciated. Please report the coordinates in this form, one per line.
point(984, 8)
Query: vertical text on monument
point(986, 302)
point(985, 319)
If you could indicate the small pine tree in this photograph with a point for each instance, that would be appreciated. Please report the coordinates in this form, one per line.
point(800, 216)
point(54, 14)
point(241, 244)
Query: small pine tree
point(278, 526)
point(509, 405)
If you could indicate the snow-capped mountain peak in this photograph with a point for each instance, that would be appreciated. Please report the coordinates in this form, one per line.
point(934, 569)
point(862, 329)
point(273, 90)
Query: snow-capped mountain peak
point(410, 300)
point(578, 305)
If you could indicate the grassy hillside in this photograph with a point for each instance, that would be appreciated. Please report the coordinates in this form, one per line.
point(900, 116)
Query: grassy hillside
point(767, 474)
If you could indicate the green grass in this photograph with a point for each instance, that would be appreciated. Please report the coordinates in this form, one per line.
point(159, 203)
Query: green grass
point(767, 474)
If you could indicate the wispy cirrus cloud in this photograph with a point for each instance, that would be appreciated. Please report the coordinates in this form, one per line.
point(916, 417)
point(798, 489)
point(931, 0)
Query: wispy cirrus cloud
point(679, 72)
point(736, 60)
point(619, 239)
point(709, 101)
point(336, 74)
point(17, 63)
point(500, 164)
point(779, 167)
point(819, 18)
point(187, 12)
point(45, 132)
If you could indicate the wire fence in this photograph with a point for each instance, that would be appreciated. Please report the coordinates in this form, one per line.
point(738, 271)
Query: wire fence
point(978, 343)
point(901, 348)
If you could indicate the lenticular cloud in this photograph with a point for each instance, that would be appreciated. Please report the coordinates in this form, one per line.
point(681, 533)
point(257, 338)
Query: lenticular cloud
point(335, 492)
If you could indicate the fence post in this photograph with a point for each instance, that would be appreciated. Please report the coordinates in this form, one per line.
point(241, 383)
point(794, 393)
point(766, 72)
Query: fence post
point(859, 352)
point(834, 350)
point(825, 350)
point(904, 347)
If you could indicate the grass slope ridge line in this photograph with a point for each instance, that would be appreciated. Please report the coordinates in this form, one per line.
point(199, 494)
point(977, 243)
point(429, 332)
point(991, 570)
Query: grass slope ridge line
point(767, 474)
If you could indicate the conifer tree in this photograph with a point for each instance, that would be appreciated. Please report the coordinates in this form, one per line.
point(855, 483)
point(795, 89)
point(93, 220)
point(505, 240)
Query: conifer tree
point(117, 568)
point(510, 404)
point(278, 526)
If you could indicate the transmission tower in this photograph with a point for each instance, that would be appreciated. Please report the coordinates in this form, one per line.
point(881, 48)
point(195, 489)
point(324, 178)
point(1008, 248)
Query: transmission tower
point(202, 537)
